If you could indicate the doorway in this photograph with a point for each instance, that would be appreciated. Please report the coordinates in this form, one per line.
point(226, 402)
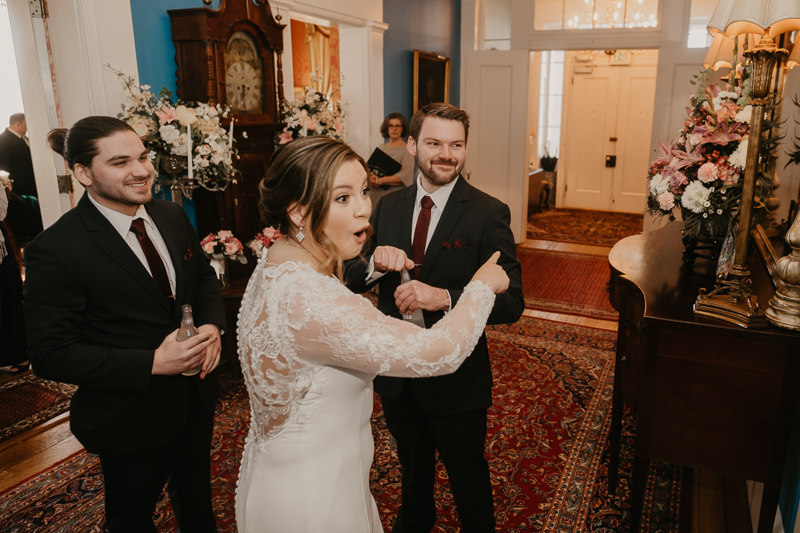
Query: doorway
point(608, 118)
point(23, 219)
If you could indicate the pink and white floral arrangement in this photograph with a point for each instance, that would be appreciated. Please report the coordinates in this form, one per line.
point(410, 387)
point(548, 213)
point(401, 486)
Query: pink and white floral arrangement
point(166, 127)
point(701, 171)
point(264, 240)
point(314, 114)
point(223, 245)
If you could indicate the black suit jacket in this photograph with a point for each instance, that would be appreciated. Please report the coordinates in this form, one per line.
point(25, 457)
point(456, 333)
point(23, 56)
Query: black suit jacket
point(94, 317)
point(472, 227)
point(15, 158)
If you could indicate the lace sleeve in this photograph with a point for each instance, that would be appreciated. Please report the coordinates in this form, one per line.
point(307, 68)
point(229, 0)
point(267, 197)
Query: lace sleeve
point(331, 325)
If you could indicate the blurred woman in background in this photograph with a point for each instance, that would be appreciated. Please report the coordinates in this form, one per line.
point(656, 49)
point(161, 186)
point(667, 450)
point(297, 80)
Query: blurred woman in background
point(395, 129)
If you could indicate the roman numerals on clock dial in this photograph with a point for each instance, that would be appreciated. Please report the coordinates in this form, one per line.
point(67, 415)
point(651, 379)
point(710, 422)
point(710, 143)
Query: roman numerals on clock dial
point(243, 86)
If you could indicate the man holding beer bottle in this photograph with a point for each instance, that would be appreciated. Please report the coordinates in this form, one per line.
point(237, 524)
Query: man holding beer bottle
point(103, 301)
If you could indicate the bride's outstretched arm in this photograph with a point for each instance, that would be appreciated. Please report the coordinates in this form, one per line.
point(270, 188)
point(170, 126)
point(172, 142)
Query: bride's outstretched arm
point(330, 325)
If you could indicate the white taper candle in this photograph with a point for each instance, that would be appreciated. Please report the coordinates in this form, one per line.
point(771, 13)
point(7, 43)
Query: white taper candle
point(191, 162)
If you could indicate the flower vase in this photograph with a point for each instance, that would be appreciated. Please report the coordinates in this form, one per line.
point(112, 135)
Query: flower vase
point(220, 266)
point(705, 245)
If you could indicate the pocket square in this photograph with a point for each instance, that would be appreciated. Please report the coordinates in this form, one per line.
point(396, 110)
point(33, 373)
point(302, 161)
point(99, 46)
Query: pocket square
point(188, 255)
point(457, 244)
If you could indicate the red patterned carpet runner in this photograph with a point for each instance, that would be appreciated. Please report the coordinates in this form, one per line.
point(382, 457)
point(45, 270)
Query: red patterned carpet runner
point(547, 449)
point(581, 226)
point(28, 401)
point(566, 283)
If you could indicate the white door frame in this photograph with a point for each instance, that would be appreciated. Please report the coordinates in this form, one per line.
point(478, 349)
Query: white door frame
point(84, 35)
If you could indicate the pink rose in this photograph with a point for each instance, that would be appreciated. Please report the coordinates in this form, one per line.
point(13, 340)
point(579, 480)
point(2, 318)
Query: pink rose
point(208, 248)
point(285, 137)
point(676, 179)
point(224, 234)
point(666, 201)
point(141, 130)
point(231, 248)
point(707, 173)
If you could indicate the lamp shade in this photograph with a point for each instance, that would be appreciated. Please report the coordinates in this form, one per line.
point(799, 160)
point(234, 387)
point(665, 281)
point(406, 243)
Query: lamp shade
point(794, 57)
point(720, 53)
point(764, 17)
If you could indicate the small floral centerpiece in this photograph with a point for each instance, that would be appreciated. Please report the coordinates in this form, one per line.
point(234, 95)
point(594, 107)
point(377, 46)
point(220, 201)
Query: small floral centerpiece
point(314, 114)
point(701, 172)
point(169, 128)
point(223, 245)
point(219, 247)
point(264, 240)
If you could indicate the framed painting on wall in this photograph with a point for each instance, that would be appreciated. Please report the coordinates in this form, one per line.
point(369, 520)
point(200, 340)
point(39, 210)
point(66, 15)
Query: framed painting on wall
point(431, 78)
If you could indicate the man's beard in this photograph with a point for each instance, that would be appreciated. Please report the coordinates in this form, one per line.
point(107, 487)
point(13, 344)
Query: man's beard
point(437, 179)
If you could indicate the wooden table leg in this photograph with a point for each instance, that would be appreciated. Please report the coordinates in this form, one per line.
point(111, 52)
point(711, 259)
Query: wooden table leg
point(640, 465)
point(615, 437)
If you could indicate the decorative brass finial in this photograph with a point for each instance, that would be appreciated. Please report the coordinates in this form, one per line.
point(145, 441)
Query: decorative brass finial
point(207, 2)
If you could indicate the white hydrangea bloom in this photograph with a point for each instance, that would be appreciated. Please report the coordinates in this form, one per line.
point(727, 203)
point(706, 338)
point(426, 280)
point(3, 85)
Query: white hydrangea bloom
point(744, 115)
point(694, 197)
point(739, 156)
point(659, 184)
point(169, 133)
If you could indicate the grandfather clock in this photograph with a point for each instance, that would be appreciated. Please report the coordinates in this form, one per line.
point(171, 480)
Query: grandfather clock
point(230, 56)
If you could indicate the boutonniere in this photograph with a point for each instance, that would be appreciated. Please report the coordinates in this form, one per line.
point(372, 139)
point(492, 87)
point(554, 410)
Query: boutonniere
point(188, 255)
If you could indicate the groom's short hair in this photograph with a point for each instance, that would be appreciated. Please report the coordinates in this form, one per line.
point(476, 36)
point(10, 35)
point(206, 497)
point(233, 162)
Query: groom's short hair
point(441, 110)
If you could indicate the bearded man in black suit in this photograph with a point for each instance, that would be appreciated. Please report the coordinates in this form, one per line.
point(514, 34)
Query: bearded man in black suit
point(103, 296)
point(15, 156)
point(450, 229)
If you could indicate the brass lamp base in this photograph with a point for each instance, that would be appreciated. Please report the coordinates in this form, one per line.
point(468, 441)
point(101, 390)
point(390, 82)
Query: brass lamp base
point(731, 301)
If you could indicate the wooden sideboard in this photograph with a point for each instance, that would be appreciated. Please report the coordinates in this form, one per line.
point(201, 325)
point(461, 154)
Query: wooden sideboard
point(707, 394)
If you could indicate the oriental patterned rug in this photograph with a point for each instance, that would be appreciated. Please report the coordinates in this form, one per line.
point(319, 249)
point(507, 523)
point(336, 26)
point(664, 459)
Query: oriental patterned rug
point(568, 283)
point(580, 226)
point(29, 401)
point(547, 450)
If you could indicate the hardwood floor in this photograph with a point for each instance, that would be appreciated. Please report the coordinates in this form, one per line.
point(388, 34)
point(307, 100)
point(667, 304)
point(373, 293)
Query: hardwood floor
point(45, 445)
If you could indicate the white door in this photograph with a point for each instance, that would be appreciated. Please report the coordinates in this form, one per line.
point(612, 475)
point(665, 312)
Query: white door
point(609, 112)
point(495, 94)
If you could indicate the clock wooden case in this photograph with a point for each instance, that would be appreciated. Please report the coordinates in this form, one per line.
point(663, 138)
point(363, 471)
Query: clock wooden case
point(232, 55)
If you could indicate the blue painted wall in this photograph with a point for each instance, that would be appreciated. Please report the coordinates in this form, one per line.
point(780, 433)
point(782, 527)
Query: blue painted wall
point(418, 25)
point(155, 52)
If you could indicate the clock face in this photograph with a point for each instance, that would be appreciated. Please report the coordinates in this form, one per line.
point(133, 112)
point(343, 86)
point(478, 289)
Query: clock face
point(243, 74)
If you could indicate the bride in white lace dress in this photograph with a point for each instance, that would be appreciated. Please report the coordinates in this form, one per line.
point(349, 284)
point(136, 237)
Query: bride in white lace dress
point(309, 348)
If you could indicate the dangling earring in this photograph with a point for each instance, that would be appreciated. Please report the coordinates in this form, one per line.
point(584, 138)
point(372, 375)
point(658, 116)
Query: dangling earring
point(299, 236)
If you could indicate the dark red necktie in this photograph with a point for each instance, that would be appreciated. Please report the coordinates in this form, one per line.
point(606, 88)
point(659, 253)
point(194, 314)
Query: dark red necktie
point(154, 260)
point(421, 233)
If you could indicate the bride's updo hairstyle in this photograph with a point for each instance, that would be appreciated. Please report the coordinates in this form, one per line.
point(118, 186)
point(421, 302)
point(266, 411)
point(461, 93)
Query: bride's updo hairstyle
point(78, 144)
point(303, 173)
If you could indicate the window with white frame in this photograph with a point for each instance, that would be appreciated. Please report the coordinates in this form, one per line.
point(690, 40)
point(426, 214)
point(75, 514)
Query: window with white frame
point(594, 14)
point(551, 90)
point(699, 15)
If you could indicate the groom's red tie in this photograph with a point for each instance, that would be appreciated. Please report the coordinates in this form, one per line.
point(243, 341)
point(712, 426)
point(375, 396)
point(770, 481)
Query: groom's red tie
point(154, 260)
point(421, 233)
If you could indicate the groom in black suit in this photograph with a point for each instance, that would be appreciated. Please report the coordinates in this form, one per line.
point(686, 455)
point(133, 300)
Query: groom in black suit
point(450, 229)
point(103, 296)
